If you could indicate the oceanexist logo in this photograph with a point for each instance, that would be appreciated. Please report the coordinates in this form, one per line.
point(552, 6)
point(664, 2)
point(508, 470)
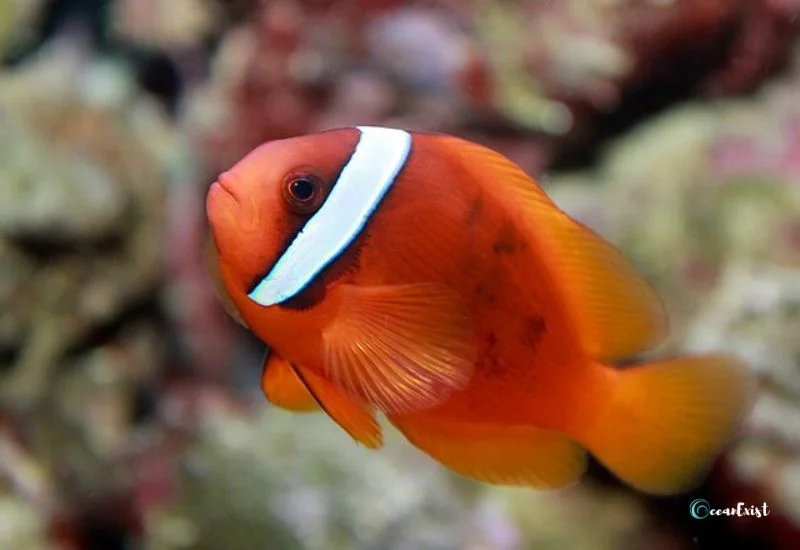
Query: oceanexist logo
point(701, 509)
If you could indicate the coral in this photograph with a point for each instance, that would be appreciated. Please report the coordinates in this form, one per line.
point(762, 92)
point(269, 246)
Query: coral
point(84, 204)
point(174, 25)
point(83, 218)
point(83, 187)
point(15, 14)
point(578, 70)
point(297, 67)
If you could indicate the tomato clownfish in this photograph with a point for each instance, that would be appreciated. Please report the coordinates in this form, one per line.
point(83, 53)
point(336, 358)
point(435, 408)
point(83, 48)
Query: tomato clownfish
point(430, 279)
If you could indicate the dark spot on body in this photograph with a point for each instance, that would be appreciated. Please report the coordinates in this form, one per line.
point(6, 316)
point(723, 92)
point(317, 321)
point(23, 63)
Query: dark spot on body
point(489, 363)
point(494, 368)
point(533, 328)
point(507, 241)
point(504, 246)
point(486, 293)
point(474, 211)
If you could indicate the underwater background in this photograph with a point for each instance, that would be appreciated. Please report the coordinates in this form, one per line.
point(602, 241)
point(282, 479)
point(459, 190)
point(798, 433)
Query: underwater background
point(131, 415)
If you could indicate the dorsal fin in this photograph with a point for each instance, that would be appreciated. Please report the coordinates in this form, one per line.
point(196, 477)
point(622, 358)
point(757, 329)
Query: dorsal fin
point(616, 313)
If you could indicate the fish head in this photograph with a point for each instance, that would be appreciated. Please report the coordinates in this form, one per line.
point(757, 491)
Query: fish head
point(258, 207)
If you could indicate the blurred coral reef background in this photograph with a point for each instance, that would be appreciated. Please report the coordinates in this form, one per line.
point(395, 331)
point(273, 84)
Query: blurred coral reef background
point(130, 409)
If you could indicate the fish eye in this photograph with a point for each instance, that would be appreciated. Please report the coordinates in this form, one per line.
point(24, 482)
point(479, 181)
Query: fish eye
point(302, 189)
point(303, 194)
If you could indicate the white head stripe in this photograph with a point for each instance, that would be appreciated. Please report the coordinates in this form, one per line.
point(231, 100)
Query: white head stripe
point(379, 156)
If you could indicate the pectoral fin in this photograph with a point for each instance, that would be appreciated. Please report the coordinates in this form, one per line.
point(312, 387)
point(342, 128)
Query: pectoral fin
point(400, 348)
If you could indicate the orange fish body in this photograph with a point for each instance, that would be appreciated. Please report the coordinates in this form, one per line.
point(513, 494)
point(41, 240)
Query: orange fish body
point(430, 279)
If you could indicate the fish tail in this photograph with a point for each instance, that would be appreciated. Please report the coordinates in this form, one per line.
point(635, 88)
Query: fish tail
point(665, 422)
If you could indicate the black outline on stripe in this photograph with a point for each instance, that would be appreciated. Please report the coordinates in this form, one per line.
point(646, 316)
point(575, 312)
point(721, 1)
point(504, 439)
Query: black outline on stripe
point(364, 229)
point(337, 176)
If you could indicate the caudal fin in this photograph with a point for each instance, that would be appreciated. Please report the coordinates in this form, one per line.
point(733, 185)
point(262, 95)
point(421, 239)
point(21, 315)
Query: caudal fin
point(667, 421)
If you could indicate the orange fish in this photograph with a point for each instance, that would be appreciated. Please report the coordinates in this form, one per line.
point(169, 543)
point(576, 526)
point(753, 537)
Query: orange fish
point(430, 279)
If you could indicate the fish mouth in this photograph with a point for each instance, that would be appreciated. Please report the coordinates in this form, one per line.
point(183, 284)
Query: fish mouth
point(222, 206)
point(222, 185)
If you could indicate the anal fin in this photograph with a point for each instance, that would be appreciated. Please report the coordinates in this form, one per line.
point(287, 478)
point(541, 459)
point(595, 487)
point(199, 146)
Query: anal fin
point(508, 455)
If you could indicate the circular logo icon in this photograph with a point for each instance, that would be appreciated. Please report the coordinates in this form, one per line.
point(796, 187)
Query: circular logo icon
point(699, 508)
